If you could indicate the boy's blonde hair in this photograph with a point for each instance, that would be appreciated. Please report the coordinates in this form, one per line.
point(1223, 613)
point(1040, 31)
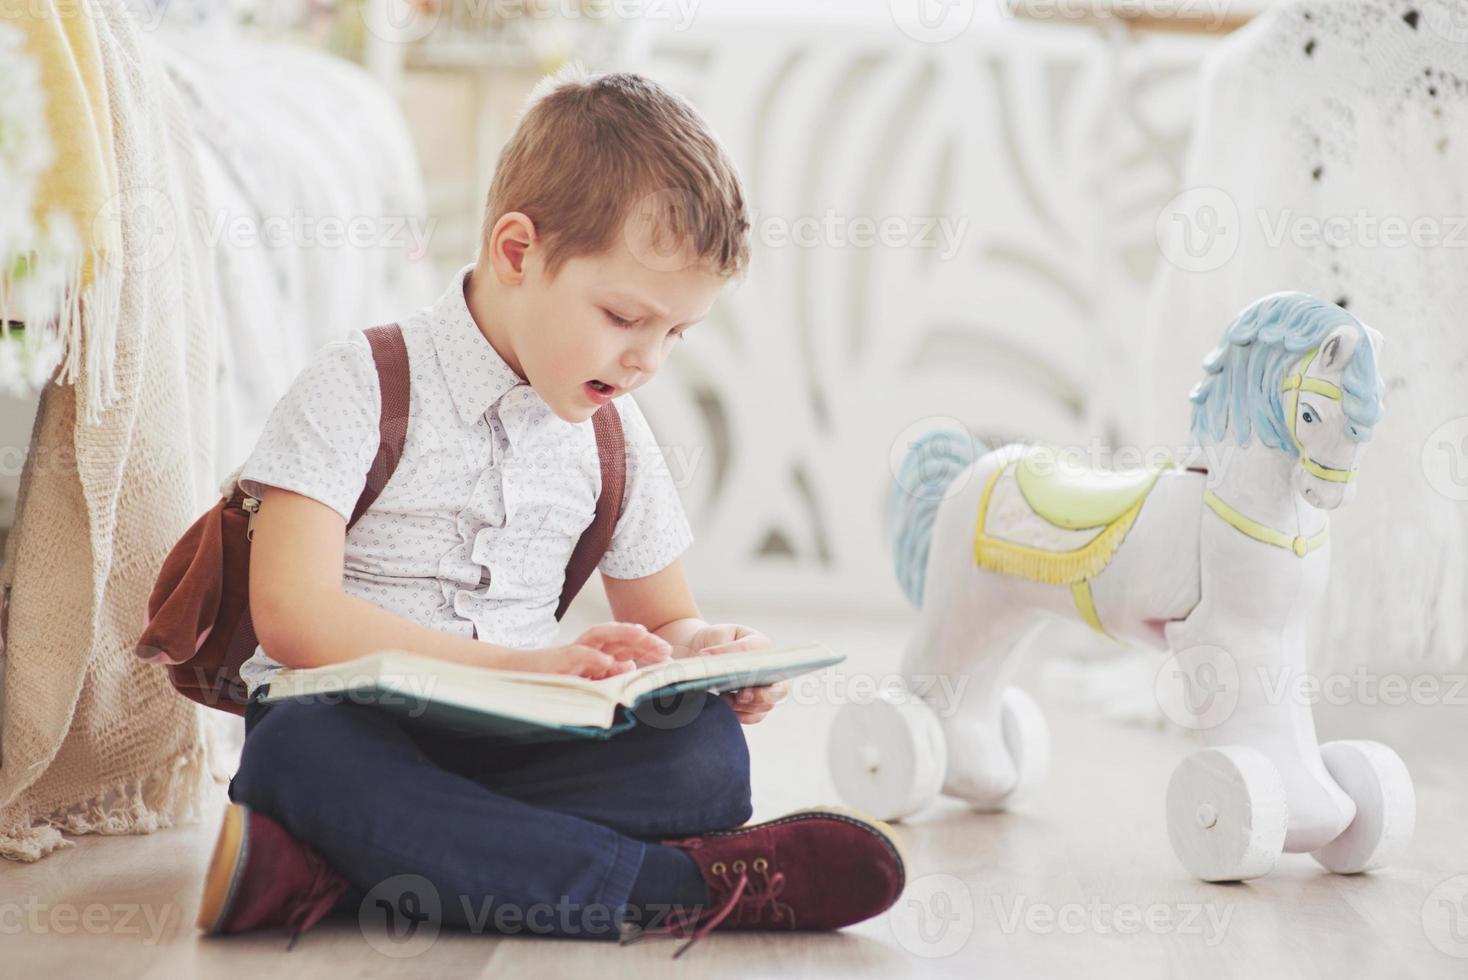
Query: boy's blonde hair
point(591, 148)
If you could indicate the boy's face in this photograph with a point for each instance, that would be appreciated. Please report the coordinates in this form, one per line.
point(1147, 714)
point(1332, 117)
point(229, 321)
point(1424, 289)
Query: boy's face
point(606, 322)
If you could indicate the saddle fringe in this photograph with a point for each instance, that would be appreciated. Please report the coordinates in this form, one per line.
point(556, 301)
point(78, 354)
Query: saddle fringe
point(1053, 567)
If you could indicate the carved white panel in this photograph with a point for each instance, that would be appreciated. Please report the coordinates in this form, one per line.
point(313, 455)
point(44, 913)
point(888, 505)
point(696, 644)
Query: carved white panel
point(1046, 151)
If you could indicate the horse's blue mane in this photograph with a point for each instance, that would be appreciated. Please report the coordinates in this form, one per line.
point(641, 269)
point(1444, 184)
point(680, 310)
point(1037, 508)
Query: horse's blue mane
point(1240, 387)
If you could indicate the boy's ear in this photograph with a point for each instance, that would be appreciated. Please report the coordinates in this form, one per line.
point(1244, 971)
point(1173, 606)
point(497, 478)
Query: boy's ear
point(509, 240)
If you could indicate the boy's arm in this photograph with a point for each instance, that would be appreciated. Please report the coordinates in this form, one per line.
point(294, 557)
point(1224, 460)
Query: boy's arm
point(304, 619)
point(664, 604)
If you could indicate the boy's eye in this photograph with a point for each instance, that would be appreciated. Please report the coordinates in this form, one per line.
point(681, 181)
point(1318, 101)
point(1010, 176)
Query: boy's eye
point(618, 320)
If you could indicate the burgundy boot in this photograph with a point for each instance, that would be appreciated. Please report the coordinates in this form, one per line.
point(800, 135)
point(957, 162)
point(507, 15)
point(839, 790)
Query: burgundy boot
point(811, 869)
point(261, 877)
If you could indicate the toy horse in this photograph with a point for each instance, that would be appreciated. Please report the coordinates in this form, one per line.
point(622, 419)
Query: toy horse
point(1217, 557)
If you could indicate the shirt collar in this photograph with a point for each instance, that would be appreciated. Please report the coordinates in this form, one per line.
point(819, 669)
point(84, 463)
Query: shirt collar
point(477, 376)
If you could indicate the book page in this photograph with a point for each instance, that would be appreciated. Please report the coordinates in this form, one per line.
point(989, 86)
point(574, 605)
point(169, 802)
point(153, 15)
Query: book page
point(638, 683)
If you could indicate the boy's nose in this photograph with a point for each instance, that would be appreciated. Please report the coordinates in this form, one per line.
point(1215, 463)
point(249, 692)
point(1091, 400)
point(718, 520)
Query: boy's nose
point(644, 358)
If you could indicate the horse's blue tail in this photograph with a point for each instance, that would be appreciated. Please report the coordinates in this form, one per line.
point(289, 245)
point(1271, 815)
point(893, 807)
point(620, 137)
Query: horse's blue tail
point(922, 482)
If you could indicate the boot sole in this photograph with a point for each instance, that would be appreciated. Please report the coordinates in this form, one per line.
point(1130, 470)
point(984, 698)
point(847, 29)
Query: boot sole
point(225, 865)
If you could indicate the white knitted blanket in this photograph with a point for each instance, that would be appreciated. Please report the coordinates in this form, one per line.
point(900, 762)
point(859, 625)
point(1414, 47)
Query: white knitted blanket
point(1331, 156)
point(94, 740)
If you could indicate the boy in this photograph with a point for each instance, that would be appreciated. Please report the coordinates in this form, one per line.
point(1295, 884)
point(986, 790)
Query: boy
point(613, 222)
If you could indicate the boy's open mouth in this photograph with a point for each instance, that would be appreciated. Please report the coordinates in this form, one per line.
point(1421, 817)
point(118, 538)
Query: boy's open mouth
point(602, 386)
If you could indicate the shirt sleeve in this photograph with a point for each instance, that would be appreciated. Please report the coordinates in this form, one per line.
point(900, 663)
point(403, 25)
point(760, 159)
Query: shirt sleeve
point(653, 529)
point(321, 436)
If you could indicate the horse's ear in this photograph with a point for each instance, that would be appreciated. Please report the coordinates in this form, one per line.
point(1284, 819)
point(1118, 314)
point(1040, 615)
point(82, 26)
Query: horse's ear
point(1339, 347)
point(1377, 340)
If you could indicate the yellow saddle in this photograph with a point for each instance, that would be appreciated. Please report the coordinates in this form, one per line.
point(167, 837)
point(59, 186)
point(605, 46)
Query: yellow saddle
point(1043, 520)
point(1079, 497)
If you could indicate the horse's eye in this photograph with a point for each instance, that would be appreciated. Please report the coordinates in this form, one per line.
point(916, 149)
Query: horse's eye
point(1309, 417)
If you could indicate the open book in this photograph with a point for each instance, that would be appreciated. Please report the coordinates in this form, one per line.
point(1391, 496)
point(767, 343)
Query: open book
point(538, 707)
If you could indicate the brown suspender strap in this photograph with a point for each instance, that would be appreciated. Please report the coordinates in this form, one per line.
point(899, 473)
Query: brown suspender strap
point(611, 450)
point(390, 354)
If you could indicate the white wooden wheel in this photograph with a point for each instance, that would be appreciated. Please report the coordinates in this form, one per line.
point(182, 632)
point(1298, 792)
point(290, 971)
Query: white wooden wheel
point(1226, 813)
point(887, 757)
point(1027, 738)
point(1377, 781)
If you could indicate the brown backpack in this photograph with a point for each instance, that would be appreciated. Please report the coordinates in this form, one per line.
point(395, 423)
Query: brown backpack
point(199, 611)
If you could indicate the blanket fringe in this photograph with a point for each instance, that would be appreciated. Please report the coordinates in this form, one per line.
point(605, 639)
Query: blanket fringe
point(174, 795)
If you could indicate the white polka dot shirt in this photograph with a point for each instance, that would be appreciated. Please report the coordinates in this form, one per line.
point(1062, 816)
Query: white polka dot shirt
point(474, 530)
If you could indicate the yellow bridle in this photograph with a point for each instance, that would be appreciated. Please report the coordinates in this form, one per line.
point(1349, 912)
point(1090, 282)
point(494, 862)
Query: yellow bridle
point(1294, 384)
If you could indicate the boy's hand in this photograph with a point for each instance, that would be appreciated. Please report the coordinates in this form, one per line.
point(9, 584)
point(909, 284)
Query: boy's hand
point(602, 651)
point(751, 704)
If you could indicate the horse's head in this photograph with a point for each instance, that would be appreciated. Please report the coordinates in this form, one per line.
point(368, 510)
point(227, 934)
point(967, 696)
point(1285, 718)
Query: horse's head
point(1303, 374)
point(1328, 441)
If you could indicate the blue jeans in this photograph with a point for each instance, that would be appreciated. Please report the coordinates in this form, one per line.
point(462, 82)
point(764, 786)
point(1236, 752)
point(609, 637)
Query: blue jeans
point(502, 836)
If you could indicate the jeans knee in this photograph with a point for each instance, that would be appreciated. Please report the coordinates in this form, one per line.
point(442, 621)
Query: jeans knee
point(288, 746)
point(708, 762)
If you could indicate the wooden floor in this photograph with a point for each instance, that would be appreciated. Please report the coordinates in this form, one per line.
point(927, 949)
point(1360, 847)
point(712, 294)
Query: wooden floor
point(1079, 882)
